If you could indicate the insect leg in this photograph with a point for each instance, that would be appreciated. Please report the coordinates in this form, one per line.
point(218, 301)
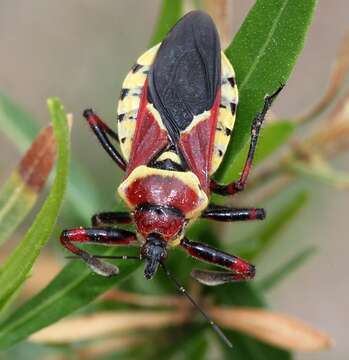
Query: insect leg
point(239, 185)
point(111, 218)
point(223, 213)
point(100, 236)
point(101, 130)
point(239, 269)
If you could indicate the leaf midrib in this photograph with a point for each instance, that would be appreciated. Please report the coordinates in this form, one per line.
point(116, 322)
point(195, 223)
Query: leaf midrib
point(263, 48)
point(47, 303)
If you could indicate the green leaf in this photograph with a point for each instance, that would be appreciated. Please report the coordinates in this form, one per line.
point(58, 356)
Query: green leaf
point(20, 192)
point(254, 245)
point(273, 279)
point(273, 136)
point(195, 348)
point(16, 268)
point(263, 54)
point(74, 287)
point(20, 127)
point(170, 13)
point(245, 347)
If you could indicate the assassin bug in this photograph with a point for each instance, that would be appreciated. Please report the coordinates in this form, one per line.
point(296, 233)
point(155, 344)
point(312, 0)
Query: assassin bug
point(175, 117)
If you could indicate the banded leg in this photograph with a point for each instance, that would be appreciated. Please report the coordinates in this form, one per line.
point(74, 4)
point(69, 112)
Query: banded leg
point(100, 236)
point(239, 269)
point(239, 185)
point(111, 218)
point(101, 130)
point(223, 213)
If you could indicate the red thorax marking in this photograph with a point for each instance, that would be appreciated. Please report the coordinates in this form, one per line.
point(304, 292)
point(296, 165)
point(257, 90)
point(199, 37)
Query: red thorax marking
point(163, 190)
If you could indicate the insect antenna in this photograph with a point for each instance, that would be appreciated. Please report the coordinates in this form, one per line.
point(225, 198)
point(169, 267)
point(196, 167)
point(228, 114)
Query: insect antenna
point(121, 257)
point(182, 290)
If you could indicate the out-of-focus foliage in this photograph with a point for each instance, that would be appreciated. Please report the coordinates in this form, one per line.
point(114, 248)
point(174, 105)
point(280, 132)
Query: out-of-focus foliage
point(171, 11)
point(19, 194)
point(16, 268)
point(20, 127)
point(263, 58)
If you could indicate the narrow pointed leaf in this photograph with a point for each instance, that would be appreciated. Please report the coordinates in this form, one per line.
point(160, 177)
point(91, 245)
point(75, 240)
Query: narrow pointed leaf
point(263, 53)
point(20, 127)
point(170, 13)
point(74, 287)
point(322, 172)
point(16, 268)
point(105, 323)
point(277, 276)
point(275, 222)
point(246, 347)
point(279, 330)
point(109, 348)
point(19, 194)
point(273, 136)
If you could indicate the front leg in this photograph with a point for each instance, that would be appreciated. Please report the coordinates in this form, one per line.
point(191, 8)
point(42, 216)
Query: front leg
point(101, 130)
point(223, 213)
point(111, 218)
point(100, 236)
point(239, 185)
point(239, 269)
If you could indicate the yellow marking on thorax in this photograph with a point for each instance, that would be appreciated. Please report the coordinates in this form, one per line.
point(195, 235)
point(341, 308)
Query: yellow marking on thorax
point(169, 155)
point(187, 177)
point(196, 120)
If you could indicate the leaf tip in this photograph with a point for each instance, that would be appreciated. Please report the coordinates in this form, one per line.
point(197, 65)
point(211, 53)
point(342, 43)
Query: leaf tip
point(54, 104)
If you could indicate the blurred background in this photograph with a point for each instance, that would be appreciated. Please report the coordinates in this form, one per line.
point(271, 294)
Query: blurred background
point(80, 51)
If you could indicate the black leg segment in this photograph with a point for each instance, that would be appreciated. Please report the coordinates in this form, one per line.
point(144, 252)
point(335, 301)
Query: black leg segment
point(223, 213)
point(111, 218)
point(100, 236)
point(239, 185)
point(239, 269)
point(101, 130)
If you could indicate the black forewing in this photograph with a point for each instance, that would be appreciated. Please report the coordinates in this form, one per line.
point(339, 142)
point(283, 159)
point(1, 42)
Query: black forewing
point(185, 75)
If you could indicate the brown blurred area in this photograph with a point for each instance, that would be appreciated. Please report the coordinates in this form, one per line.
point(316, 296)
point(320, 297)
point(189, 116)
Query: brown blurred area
point(80, 51)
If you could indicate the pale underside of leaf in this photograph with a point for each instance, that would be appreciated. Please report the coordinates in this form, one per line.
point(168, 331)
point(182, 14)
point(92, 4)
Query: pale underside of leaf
point(75, 329)
point(277, 329)
point(107, 346)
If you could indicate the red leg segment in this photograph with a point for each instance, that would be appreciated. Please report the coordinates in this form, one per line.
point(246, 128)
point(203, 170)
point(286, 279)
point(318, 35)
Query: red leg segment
point(239, 185)
point(240, 269)
point(106, 236)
